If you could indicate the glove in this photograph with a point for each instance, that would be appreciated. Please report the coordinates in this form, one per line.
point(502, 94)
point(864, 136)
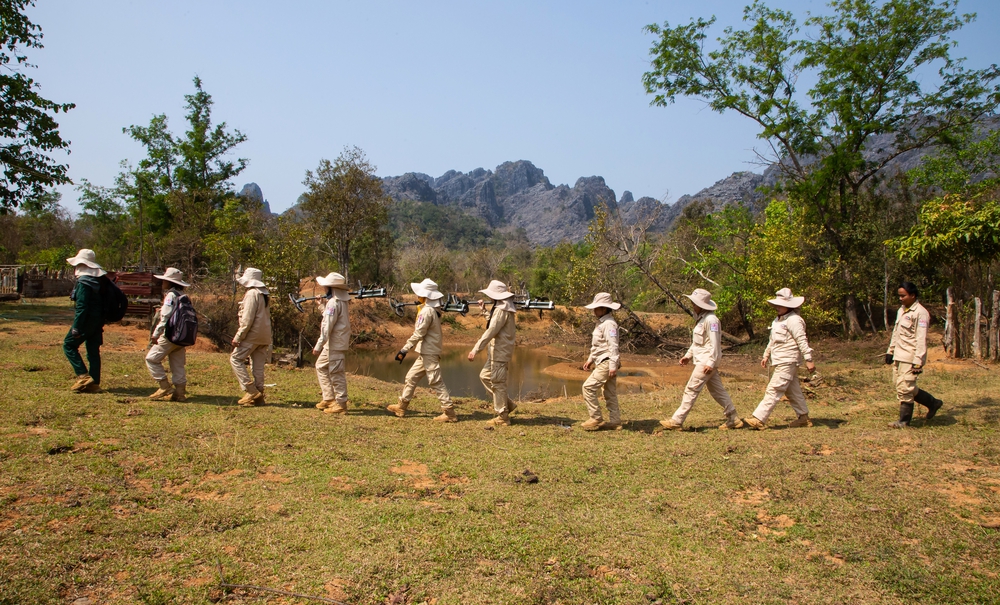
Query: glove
point(917, 369)
point(888, 359)
point(400, 355)
point(75, 332)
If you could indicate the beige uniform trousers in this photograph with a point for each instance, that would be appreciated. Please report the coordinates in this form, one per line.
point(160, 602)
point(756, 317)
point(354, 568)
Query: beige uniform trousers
point(494, 378)
point(906, 381)
point(258, 354)
point(784, 381)
point(174, 353)
point(600, 379)
point(698, 381)
point(429, 366)
point(331, 372)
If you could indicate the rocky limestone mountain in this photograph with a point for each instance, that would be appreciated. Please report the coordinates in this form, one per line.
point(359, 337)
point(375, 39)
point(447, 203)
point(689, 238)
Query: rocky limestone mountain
point(251, 191)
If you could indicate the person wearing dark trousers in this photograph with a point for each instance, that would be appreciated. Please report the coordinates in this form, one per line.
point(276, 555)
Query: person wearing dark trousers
point(908, 354)
point(88, 323)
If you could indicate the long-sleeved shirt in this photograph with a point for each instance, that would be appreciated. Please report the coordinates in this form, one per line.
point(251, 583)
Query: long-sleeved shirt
point(909, 335)
point(706, 341)
point(604, 342)
point(166, 310)
point(788, 343)
point(89, 317)
point(500, 334)
point(426, 333)
point(335, 331)
point(255, 318)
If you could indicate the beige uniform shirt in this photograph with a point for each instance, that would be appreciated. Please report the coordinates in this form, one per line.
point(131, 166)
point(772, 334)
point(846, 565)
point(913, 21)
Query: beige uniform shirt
point(706, 341)
point(604, 342)
point(255, 318)
point(426, 333)
point(168, 308)
point(335, 331)
point(909, 335)
point(788, 343)
point(500, 335)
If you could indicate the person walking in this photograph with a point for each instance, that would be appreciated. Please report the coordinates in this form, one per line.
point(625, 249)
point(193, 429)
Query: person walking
point(426, 340)
point(604, 360)
point(88, 322)
point(499, 338)
point(907, 354)
point(253, 338)
point(786, 349)
point(161, 347)
point(332, 344)
point(706, 353)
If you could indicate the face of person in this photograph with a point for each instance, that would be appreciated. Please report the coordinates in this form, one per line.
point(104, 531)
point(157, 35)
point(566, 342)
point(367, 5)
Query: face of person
point(780, 310)
point(600, 311)
point(906, 298)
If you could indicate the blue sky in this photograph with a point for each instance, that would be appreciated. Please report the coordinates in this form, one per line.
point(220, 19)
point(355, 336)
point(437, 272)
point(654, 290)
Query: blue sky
point(419, 86)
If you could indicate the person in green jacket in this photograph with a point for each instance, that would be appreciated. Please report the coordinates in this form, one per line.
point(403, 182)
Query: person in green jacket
point(88, 324)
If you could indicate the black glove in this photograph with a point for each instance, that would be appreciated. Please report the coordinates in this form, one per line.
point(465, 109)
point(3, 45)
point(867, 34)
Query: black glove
point(888, 359)
point(400, 355)
point(75, 332)
point(917, 369)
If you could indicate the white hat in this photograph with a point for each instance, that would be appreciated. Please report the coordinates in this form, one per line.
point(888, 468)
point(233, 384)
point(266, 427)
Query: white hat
point(702, 299)
point(784, 298)
point(251, 278)
point(86, 257)
point(427, 289)
point(173, 275)
point(603, 299)
point(333, 280)
point(497, 290)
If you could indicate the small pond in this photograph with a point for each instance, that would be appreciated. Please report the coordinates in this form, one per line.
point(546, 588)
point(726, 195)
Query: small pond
point(462, 376)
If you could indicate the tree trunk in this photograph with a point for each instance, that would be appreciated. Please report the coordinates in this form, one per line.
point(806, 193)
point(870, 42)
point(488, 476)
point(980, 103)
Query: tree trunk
point(885, 297)
point(854, 328)
point(977, 333)
point(995, 327)
point(951, 328)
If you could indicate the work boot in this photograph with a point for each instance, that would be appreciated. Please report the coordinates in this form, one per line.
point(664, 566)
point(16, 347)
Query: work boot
point(670, 425)
point(801, 421)
point(511, 406)
point(501, 420)
point(731, 424)
point(399, 409)
point(81, 381)
point(336, 408)
point(755, 424)
point(164, 392)
point(259, 397)
point(611, 426)
point(905, 416)
point(930, 402)
point(447, 415)
point(591, 424)
point(179, 393)
point(322, 405)
point(247, 400)
point(93, 387)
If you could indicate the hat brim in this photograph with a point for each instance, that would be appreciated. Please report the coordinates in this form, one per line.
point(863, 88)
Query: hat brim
point(613, 306)
point(423, 292)
point(250, 283)
point(794, 303)
point(76, 260)
point(497, 295)
point(701, 305)
point(172, 280)
point(329, 284)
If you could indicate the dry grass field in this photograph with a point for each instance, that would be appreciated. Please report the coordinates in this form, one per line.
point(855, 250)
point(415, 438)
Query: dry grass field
point(117, 499)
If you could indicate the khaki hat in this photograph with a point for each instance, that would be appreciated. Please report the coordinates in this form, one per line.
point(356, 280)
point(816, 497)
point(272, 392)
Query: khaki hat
point(702, 299)
point(173, 275)
point(251, 278)
point(427, 289)
point(784, 298)
point(603, 299)
point(333, 280)
point(497, 290)
point(86, 257)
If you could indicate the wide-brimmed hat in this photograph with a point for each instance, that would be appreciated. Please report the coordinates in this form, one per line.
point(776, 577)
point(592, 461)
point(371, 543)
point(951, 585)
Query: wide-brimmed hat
point(497, 290)
point(251, 278)
point(427, 289)
point(784, 298)
point(333, 280)
point(603, 299)
point(85, 257)
point(173, 275)
point(702, 298)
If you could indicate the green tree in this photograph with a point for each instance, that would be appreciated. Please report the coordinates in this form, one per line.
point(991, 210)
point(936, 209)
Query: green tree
point(865, 62)
point(28, 131)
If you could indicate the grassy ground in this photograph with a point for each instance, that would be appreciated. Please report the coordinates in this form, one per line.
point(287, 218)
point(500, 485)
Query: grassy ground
point(123, 500)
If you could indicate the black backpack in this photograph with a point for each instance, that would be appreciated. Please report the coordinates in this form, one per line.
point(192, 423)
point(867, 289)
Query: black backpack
point(182, 327)
point(113, 300)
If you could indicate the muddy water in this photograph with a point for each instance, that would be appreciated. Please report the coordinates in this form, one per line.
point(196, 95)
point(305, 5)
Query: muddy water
point(527, 378)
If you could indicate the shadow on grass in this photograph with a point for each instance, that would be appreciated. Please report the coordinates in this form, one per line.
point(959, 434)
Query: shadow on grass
point(40, 313)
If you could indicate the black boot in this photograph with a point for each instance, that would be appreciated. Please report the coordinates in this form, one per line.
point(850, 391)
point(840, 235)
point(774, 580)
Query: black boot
point(905, 416)
point(928, 401)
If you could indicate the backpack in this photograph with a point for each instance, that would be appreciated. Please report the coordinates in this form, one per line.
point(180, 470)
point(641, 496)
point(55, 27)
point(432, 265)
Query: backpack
point(182, 327)
point(114, 303)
